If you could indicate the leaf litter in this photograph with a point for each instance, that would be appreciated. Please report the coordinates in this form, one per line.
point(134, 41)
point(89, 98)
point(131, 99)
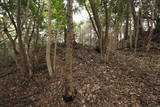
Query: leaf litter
point(128, 80)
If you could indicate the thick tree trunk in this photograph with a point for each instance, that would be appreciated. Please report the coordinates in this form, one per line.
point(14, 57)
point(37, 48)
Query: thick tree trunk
point(69, 88)
point(19, 34)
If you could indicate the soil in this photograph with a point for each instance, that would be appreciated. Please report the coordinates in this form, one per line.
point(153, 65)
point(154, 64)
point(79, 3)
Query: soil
point(129, 79)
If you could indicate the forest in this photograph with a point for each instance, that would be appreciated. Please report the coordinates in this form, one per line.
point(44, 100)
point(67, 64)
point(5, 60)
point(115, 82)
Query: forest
point(52, 54)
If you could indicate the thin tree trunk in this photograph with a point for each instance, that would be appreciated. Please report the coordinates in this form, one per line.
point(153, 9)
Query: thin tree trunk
point(10, 37)
point(136, 22)
point(127, 22)
point(96, 16)
point(55, 51)
point(10, 16)
point(98, 25)
point(150, 36)
point(90, 36)
point(82, 35)
point(92, 21)
point(31, 35)
point(65, 35)
point(48, 48)
point(26, 43)
point(130, 36)
point(106, 40)
point(37, 37)
point(137, 33)
point(12, 41)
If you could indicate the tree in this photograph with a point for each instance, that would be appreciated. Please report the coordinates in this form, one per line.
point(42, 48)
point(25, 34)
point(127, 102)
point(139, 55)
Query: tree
point(48, 48)
point(106, 38)
point(150, 36)
point(127, 22)
point(23, 55)
point(20, 16)
point(69, 88)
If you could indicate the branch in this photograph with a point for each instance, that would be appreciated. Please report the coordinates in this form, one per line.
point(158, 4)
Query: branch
point(92, 21)
point(11, 17)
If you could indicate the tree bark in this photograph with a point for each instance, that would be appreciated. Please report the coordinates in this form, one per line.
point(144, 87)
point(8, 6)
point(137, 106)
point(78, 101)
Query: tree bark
point(48, 48)
point(127, 23)
point(65, 35)
point(150, 36)
point(55, 49)
point(19, 34)
point(69, 89)
point(98, 25)
point(136, 33)
point(92, 21)
point(106, 40)
point(10, 38)
point(96, 17)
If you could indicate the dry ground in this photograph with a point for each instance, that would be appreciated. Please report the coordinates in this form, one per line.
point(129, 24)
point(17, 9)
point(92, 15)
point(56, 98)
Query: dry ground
point(128, 80)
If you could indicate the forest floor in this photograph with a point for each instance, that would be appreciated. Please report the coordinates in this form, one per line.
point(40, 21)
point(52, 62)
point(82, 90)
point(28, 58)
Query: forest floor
point(129, 80)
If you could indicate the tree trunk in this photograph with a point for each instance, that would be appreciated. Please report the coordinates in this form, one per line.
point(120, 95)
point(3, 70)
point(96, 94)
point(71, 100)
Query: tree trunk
point(96, 17)
point(13, 42)
point(82, 37)
point(31, 36)
point(106, 38)
point(130, 36)
point(48, 48)
point(136, 33)
point(19, 34)
point(92, 21)
point(55, 51)
point(36, 37)
point(135, 20)
point(127, 22)
point(157, 31)
point(98, 25)
point(10, 38)
point(65, 35)
point(69, 88)
point(90, 36)
point(26, 43)
point(150, 36)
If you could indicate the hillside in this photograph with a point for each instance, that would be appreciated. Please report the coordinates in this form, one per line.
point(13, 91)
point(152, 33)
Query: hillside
point(128, 80)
